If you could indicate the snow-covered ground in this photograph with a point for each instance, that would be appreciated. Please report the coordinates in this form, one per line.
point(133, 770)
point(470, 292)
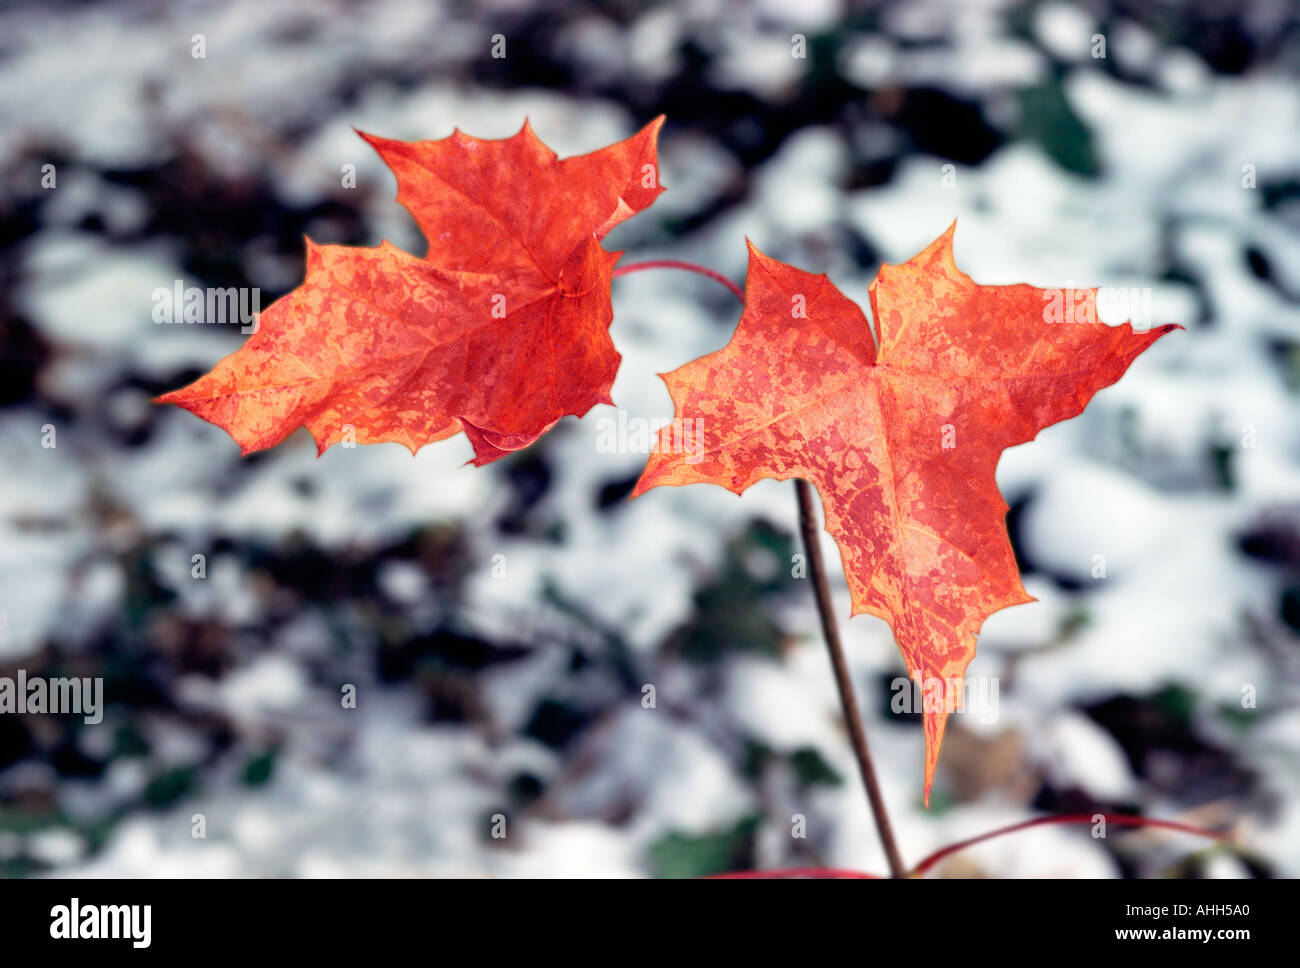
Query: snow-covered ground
point(1163, 473)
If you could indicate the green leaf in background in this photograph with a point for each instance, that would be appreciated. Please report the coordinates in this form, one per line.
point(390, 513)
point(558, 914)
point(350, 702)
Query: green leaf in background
point(166, 787)
point(1047, 120)
point(698, 855)
point(810, 768)
point(259, 768)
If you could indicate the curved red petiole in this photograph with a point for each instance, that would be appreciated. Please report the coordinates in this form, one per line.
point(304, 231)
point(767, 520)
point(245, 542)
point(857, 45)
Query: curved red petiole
point(688, 266)
point(1117, 819)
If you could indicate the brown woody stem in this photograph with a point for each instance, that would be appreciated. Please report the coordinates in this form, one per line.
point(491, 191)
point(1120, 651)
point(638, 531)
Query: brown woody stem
point(848, 701)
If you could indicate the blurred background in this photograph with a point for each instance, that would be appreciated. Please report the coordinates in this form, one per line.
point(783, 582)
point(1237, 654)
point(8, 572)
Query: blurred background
point(499, 624)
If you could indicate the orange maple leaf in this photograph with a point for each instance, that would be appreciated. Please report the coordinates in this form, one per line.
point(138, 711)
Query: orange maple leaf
point(499, 331)
point(900, 435)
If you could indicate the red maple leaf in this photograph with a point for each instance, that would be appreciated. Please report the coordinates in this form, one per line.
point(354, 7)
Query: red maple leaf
point(500, 330)
point(900, 435)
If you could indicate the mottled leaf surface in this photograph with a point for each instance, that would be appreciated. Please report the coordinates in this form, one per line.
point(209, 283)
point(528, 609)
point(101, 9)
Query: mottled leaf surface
point(900, 435)
point(499, 331)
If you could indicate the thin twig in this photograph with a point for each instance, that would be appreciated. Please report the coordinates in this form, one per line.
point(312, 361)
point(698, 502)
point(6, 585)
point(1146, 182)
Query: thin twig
point(848, 701)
